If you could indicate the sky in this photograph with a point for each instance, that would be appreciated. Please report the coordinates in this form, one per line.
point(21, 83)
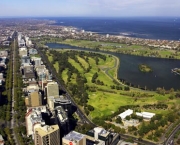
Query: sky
point(89, 8)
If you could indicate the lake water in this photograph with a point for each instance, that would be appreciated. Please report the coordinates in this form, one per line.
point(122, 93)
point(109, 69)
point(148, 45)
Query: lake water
point(160, 77)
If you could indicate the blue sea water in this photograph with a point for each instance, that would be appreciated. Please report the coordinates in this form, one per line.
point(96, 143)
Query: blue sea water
point(140, 27)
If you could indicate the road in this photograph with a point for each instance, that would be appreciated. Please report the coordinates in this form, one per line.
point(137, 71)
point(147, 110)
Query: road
point(170, 139)
point(13, 124)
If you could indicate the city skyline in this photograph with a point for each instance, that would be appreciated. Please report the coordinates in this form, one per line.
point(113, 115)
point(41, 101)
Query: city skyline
point(87, 8)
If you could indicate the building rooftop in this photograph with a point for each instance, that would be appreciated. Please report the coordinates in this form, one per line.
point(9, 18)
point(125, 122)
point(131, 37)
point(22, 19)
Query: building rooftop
point(62, 116)
point(74, 136)
point(126, 113)
point(44, 130)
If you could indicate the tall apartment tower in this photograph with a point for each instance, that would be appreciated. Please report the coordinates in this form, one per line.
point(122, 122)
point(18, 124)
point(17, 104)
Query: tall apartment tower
point(52, 90)
point(35, 99)
point(47, 135)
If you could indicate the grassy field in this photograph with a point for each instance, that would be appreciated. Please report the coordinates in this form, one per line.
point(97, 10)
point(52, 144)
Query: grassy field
point(107, 100)
point(121, 48)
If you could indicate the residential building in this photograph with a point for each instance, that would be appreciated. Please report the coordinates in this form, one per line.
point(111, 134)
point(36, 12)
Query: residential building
point(64, 103)
point(32, 117)
point(53, 89)
point(28, 73)
point(21, 43)
point(32, 51)
point(34, 99)
point(25, 60)
point(47, 135)
point(91, 141)
point(3, 53)
point(37, 61)
point(101, 134)
point(74, 138)
point(2, 142)
point(23, 51)
point(62, 120)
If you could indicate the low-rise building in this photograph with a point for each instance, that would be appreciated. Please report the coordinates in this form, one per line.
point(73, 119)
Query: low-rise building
point(2, 142)
point(146, 115)
point(74, 138)
point(125, 114)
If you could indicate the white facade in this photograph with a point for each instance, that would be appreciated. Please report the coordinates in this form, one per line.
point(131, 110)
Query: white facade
point(125, 114)
point(145, 115)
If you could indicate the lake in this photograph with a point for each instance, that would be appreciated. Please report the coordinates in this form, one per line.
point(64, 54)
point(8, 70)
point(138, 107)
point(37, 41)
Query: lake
point(129, 71)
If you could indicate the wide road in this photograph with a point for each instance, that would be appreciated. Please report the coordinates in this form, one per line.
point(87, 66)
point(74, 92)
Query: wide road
point(12, 107)
point(170, 139)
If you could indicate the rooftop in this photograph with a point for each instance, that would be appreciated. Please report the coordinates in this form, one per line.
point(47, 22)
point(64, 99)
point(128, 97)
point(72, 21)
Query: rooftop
point(74, 136)
point(44, 130)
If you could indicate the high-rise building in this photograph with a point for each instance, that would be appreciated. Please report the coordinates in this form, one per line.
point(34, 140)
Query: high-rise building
point(23, 51)
point(37, 61)
point(101, 134)
point(35, 99)
point(74, 138)
point(52, 90)
point(47, 135)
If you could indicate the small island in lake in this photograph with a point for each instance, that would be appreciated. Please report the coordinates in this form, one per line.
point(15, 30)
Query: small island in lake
point(145, 68)
point(176, 71)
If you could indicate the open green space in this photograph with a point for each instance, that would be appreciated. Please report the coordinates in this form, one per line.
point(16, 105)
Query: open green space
point(139, 50)
point(90, 78)
point(104, 99)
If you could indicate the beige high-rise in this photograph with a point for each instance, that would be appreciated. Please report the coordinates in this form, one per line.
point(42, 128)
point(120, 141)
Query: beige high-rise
point(47, 135)
point(35, 99)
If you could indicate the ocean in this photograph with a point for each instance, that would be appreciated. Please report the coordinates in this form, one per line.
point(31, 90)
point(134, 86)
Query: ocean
point(163, 28)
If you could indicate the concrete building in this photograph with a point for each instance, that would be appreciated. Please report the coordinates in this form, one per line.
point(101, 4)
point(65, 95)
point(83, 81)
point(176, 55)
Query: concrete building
point(125, 114)
point(53, 89)
point(25, 60)
point(101, 134)
point(64, 103)
point(28, 73)
point(145, 115)
point(91, 141)
point(62, 120)
point(2, 142)
point(34, 99)
point(23, 51)
point(37, 61)
point(32, 117)
point(3, 53)
point(47, 135)
point(21, 43)
point(32, 51)
point(74, 138)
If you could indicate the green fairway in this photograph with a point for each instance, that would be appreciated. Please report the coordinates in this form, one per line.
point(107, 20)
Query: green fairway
point(106, 100)
point(56, 66)
point(64, 75)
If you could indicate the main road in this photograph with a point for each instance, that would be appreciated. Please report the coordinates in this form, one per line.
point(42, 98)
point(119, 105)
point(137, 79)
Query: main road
point(12, 107)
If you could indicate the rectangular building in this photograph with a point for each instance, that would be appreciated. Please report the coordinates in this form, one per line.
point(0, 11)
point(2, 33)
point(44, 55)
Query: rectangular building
point(47, 135)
